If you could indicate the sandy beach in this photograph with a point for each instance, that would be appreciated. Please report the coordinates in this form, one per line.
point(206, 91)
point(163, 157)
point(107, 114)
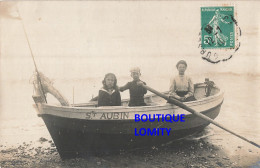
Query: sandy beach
point(188, 153)
point(182, 154)
point(179, 154)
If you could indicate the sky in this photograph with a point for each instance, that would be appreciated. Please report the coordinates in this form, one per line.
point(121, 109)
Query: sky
point(73, 37)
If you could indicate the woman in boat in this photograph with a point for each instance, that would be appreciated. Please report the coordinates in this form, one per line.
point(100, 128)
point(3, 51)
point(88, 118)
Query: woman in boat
point(109, 94)
point(181, 87)
point(136, 91)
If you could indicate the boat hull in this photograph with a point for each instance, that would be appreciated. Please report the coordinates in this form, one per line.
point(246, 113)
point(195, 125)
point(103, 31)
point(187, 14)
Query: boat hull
point(76, 137)
point(85, 129)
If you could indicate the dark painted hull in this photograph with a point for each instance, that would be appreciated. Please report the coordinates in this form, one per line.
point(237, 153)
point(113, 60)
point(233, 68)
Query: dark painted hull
point(79, 137)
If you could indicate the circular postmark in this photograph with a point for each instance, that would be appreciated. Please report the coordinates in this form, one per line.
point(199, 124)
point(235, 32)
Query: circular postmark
point(219, 35)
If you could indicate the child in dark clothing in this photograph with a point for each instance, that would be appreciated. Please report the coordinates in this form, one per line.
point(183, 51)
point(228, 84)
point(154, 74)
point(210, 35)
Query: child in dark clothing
point(109, 95)
point(136, 91)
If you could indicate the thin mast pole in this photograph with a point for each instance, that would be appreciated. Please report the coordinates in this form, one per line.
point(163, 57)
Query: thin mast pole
point(36, 69)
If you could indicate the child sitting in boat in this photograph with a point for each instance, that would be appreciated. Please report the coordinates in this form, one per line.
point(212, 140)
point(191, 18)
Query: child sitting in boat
point(181, 86)
point(136, 91)
point(109, 94)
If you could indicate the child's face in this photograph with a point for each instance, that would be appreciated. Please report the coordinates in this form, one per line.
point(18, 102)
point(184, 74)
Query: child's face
point(135, 75)
point(110, 80)
point(181, 68)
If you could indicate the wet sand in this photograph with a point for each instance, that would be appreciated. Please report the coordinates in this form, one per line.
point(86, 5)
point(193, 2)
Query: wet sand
point(193, 152)
point(179, 154)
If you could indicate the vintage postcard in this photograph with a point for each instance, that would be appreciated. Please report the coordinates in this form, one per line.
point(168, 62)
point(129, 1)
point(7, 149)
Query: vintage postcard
point(129, 84)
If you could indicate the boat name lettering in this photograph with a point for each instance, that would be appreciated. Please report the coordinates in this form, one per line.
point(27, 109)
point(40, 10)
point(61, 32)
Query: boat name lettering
point(90, 115)
point(107, 116)
point(115, 115)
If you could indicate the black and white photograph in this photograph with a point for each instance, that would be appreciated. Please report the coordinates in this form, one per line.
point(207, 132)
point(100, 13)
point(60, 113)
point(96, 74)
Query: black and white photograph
point(149, 84)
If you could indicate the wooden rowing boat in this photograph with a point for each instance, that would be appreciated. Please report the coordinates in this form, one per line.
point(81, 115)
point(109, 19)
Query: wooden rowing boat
point(82, 129)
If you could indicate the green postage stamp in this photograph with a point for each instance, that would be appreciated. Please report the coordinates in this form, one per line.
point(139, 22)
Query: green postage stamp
point(218, 29)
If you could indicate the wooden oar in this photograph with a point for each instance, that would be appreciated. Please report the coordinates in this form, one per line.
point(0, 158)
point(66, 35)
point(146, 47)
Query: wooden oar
point(181, 105)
